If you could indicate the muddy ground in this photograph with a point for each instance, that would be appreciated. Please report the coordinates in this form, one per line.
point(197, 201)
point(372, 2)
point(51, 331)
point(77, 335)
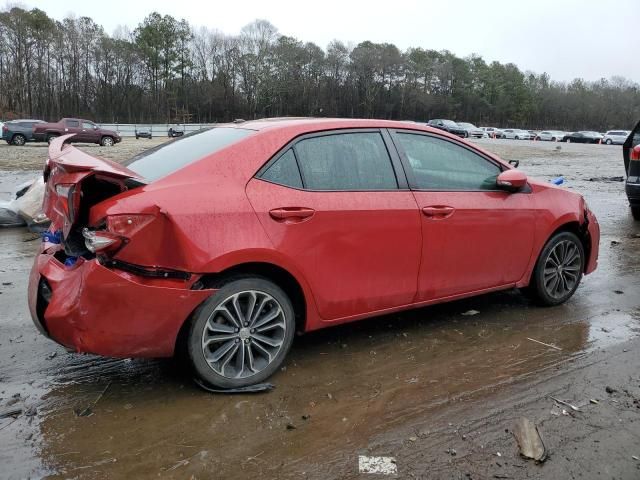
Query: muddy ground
point(437, 390)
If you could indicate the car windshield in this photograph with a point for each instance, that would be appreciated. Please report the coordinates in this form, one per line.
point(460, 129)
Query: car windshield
point(466, 125)
point(173, 155)
point(449, 123)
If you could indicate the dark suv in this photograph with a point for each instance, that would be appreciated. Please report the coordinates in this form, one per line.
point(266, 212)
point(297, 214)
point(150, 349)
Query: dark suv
point(19, 132)
point(448, 126)
point(631, 155)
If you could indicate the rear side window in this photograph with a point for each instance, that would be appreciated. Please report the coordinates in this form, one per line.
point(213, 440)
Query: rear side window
point(442, 165)
point(173, 155)
point(347, 161)
point(284, 171)
point(73, 123)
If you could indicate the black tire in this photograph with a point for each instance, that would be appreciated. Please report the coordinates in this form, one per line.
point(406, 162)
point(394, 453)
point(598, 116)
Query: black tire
point(517, 138)
point(635, 212)
point(276, 300)
point(568, 140)
point(553, 139)
point(51, 138)
point(543, 292)
point(107, 141)
point(608, 142)
point(466, 134)
point(18, 140)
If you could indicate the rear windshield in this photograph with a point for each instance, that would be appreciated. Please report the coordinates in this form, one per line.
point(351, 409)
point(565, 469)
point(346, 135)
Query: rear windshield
point(164, 159)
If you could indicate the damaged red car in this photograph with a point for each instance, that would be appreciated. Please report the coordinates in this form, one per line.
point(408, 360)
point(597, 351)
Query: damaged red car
point(223, 243)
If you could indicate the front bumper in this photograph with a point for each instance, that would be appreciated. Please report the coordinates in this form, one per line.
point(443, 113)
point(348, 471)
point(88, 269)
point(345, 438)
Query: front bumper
point(593, 230)
point(91, 308)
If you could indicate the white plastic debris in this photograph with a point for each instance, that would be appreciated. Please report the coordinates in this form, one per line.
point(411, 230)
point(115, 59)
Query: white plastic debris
point(379, 465)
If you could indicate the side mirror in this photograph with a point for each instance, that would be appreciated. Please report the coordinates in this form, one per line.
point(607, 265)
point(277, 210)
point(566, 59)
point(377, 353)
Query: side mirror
point(95, 127)
point(511, 180)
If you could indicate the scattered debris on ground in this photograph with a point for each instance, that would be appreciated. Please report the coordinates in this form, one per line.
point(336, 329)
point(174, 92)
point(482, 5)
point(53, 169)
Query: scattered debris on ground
point(529, 440)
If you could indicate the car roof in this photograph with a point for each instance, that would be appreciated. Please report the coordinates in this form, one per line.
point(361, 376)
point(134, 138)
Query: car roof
point(315, 124)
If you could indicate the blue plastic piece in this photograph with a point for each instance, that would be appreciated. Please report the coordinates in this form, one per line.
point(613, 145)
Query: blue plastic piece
point(70, 261)
point(52, 237)
point(557, 181)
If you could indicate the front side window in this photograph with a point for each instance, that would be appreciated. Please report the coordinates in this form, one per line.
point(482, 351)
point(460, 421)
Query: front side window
point(442, 165)
point(346, 161)
point(87, 125)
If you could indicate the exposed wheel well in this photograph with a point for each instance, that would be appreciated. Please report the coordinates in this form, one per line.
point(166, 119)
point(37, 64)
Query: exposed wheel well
point(580, 231)
point(277, 275)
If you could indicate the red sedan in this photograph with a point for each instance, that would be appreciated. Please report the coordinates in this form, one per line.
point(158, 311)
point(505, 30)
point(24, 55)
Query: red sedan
point(224, 242)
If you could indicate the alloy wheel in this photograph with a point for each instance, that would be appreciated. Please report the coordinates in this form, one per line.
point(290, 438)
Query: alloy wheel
point(562, 269)
point(244, 334)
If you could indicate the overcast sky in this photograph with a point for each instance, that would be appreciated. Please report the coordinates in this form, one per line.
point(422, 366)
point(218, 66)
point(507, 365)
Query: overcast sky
point(567, 38)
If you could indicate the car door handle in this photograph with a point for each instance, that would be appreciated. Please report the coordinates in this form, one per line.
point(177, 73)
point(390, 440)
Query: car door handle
point(438, 212)
point(291, 214)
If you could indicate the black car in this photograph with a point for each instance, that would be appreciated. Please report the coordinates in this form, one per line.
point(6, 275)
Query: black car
point(19, 132)
point(583, 137)
point(631, 155)
point(448, 126)
point(143, 134)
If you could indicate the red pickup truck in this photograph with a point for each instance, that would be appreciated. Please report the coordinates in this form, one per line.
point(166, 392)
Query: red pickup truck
point(84, 130)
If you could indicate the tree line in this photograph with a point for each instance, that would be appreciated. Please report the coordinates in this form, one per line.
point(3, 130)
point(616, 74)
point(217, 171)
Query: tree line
point(165, 70)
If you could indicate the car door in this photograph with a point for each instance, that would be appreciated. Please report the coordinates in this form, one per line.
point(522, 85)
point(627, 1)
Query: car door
point(73, 126)
point(89, 133)
point(338, 207)
point(475, 236)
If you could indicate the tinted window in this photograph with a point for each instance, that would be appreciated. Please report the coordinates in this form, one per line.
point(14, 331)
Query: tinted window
point(173, 155)
point(442, 165)
point(87, 125)
point(348, 161)
point(284, 171)
point(73, 123)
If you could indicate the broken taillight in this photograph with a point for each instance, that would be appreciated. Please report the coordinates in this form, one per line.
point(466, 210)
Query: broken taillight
point(127, 225)
point(101, 241)
point(65, 200)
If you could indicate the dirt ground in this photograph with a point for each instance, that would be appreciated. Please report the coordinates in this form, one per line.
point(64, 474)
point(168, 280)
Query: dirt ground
point(437, 390)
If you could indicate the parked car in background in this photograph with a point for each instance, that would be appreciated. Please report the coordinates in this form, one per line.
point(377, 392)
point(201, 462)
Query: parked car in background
point(84, 131)
point(143, 134)
point(156, 264)
point(448, 126)
point(472, 130)
point(175, 132)
point(631, 156)
point(493, 132)
point(550, 135)
point(533, 134)
point(583, 137)
point(19, 132)
point(615, 137)
point(516, 134)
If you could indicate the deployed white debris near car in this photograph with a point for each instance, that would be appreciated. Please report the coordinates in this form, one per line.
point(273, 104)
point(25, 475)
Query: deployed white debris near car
point(25, 207)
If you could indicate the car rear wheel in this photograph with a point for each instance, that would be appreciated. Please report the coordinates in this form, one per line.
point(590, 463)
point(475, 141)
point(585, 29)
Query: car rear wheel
point(51, 138)
point(241, 334)
point(19, 140)
point(558, 270)
point(553, 139)
point(107, 142)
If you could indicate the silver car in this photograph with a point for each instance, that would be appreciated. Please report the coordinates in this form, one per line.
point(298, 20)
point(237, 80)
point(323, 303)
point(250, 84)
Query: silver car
point(551, 135)
point(472, 130)
point(516, 134)
point(615, 137)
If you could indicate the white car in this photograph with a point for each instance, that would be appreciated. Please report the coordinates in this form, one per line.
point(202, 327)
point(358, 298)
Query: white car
point(615, 137)
point(551, 135)
point(492, 132)
point(516, 134)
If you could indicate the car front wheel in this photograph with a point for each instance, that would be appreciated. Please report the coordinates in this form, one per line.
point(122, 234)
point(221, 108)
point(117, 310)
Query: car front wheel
point(241, 334)
point(558, 270)
point(19, 140)
point(608, 142)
